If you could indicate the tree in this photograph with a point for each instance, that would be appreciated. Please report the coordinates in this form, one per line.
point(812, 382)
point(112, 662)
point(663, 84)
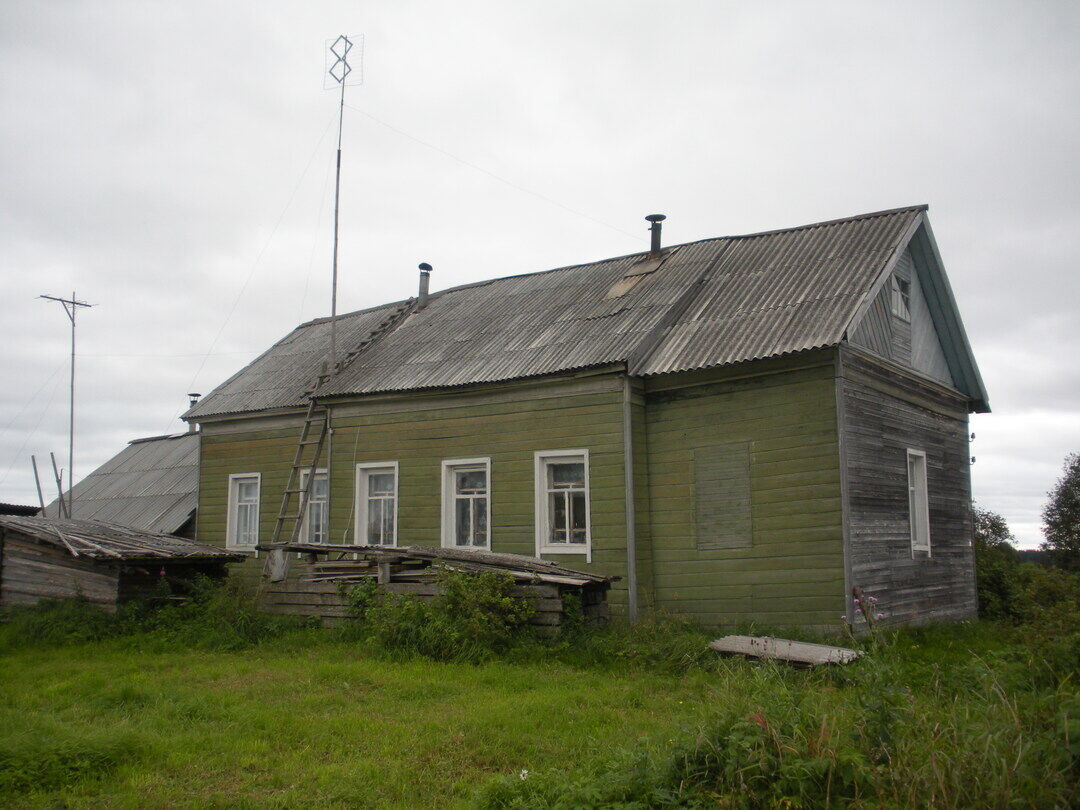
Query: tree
point(996, 565)
point(992, 532)
point(1061, 517)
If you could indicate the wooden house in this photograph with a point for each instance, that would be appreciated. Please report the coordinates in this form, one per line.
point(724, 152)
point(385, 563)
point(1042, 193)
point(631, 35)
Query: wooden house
point(741, 428)
point(48, 558)
point(151, 484)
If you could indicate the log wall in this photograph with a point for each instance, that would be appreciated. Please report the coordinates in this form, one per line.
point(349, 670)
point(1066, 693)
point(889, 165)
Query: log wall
point(301, 596)
point(32, 571)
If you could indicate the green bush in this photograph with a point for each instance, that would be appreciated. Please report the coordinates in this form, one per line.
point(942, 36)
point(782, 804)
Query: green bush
point(474, 618)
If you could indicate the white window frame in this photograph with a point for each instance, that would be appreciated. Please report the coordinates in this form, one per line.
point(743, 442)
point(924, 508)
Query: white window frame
point(541, 460)
point(360, 516)
point(233, 505)
point(449, 467)
point(918, 501)
point(305, 526)
point(901, 305)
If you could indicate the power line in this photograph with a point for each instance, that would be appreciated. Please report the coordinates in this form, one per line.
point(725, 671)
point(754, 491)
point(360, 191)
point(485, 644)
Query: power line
point(251, 272)
point(32, 433)
point(494, 176)
point(193, 354)
point(315, 241)
point(30, 401)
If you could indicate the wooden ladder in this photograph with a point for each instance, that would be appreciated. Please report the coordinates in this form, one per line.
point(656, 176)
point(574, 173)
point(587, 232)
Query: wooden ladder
point(316, 429)
point(317, 418)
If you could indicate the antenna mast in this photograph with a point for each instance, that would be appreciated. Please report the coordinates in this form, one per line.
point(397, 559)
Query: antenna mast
point(338, 71)
point(71, 306)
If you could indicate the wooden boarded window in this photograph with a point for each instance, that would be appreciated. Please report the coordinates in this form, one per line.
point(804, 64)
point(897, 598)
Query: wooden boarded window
point(722, 496)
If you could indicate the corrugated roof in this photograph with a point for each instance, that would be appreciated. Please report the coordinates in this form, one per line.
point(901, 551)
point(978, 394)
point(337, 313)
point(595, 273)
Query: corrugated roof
point(151, 484)
point(107, 541)
point(781, 292)
point(713, 302)
point(280, 376)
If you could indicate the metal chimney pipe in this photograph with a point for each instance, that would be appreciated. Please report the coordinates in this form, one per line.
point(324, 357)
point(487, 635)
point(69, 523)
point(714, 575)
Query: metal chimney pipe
point(654, 231)
point(425, 278)
point(194, 400)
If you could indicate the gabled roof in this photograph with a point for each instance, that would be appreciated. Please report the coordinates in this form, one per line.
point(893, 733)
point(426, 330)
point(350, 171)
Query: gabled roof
point(107, 541)
point(151, 484)
point(709, 303)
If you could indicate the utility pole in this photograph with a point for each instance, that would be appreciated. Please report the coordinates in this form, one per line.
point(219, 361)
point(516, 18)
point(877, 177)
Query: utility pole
point(71, 306)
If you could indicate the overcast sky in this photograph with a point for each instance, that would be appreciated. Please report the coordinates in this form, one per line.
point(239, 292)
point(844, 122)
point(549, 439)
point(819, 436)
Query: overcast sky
point(172, 164)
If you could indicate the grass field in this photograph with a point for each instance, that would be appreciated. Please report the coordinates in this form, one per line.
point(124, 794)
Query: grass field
point(945, 717)
point(309, 722)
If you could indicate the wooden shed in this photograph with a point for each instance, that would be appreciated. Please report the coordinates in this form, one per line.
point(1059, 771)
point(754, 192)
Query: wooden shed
point(46, 558)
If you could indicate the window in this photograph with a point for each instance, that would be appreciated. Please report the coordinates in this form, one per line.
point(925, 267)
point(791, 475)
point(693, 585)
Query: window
point(722, 501)
point(918, 502)
point(562, 502)
point(242, 530)
point(466, 500)
point(376, 503)
point(901, 298)
point(316, 527)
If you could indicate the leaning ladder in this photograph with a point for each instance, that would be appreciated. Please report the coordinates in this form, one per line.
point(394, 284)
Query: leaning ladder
point(318, 415)
point(316, 428)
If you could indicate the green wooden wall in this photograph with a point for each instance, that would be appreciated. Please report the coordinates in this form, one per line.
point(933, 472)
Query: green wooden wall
point(419, 433)
point(791, 571)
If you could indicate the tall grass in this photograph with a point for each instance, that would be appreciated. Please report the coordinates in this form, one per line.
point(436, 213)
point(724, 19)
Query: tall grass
point(219, 615)
point(940, 717)
point(981, 715)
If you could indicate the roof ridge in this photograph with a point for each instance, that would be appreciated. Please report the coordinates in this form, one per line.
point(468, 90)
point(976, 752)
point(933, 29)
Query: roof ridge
point(162, 436)
point(581, 265)
point(830, 222)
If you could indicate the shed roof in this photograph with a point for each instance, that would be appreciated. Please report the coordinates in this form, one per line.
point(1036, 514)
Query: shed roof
point(709, 303)
point(151, 484)
point(108, 541)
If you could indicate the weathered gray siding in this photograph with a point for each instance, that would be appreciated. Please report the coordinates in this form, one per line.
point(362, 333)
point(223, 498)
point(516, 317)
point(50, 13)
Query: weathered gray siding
point(913, 343)
point(32, 571)
point(900, 351)
point(884, 412)
point(874, 331)
point(927, 355)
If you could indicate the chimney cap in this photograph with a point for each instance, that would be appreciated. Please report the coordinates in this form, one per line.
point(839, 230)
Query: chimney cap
point(425, 267)
point(656, 217)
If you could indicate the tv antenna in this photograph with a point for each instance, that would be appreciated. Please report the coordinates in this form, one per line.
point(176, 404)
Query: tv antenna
point(71, 307)
point(339, 71)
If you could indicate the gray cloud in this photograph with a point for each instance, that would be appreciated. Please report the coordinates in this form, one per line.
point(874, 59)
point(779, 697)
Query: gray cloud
point(149, 153)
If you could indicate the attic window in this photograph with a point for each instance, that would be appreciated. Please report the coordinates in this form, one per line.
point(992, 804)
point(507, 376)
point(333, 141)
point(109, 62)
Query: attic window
point(901, 298)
